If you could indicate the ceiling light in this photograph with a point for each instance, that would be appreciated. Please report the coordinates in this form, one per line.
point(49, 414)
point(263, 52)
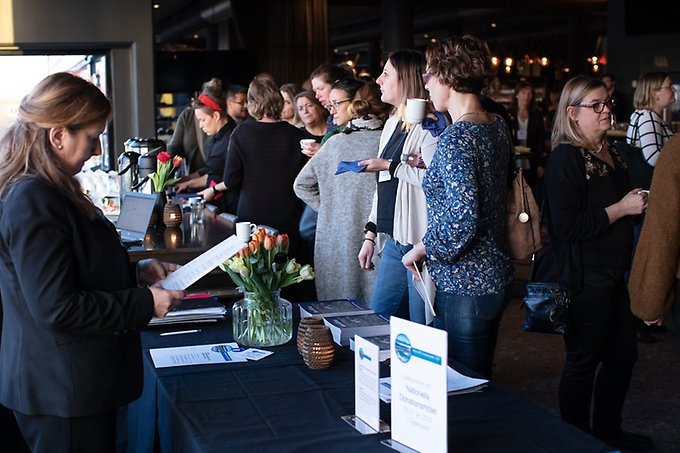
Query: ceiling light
point(156, 6)
point(508, 61)
point(495, 61)
point(493, 24)
point(195, 36)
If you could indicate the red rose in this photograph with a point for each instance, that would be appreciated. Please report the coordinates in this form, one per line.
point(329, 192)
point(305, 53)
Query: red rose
point(163, 157)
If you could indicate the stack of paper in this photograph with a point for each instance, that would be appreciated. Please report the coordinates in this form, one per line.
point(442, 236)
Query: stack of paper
point(456, 384)
point(205, 354)
point(382, 341)
point(204, 309)
point(345, 327)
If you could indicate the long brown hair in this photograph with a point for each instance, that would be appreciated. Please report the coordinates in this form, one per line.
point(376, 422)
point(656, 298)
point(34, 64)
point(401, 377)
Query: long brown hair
point(59, 100)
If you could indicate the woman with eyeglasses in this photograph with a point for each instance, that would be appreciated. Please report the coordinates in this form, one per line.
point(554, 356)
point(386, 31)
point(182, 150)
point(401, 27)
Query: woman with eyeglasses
point(590, 209)
point(647, 130)
point(398, 218)
point(340, 221)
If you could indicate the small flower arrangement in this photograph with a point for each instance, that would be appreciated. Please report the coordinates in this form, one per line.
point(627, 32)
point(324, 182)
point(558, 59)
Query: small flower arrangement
point(260, 270)
point(264, 266)
point(166, 165)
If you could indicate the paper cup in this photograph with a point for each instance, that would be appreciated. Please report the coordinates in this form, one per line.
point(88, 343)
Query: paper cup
point(415, 110)
point(306, 143)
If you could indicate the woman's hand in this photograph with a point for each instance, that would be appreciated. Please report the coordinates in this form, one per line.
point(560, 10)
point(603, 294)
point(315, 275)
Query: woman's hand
point(164, 300)
point(182, 186)
point(634, 203)
point(152, 271)
point(413, 258)
point(375, 164)
point(310, 149)
point(366, 255)
point(207, 194)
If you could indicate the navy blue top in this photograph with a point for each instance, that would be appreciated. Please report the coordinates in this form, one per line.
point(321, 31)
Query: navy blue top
point(465, 188)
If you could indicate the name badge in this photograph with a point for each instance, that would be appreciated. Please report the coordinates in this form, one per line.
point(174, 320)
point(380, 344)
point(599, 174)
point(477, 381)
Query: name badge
point(522, 134)
point(384, 175)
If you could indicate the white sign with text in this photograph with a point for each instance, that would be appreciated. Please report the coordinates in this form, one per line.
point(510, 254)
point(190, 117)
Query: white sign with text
point(367, 382)
point(419, 399)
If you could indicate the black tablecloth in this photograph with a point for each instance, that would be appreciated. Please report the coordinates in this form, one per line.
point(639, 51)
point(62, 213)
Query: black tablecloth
point(278, 405)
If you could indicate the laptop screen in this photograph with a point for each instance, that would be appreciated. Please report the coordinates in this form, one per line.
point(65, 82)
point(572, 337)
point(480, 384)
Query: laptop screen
point(135, 212)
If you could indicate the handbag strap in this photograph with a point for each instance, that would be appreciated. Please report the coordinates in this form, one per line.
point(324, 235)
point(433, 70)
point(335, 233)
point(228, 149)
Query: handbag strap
point(532, 269)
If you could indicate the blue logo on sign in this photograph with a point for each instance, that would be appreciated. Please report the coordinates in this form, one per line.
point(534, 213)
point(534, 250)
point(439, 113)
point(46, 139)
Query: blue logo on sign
point(362, 355)
point(402, 346)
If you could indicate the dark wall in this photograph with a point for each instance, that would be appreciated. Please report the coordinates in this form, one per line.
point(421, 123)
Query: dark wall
point(642, 37)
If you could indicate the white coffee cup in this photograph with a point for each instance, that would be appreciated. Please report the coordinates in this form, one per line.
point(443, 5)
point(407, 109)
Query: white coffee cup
point(415, 110)
point(244, 230)
point(306, 143)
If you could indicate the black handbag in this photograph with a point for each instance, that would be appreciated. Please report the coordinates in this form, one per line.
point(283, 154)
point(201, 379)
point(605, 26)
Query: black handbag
point(546, 303)
point(547, 308)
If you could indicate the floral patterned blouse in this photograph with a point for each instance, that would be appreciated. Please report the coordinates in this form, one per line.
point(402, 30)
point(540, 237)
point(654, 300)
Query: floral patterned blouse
point(465, 187)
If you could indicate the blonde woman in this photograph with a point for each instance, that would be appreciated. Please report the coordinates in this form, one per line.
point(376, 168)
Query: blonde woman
point(398, 218)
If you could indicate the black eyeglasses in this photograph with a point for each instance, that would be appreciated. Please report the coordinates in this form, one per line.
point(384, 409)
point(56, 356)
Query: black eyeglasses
point(598, 107)
point(335, 104)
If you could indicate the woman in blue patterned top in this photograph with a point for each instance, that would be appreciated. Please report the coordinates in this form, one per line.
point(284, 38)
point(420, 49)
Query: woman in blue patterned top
point(465, 188)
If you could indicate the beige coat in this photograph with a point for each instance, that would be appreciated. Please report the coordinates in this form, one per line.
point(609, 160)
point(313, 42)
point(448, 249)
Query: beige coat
point(657, 257)
point(410, 210)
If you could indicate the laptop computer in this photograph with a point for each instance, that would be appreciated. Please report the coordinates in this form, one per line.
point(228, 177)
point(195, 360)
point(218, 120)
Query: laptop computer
point(135, 213)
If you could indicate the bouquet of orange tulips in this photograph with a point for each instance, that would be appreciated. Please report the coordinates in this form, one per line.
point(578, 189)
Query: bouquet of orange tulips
point(264, 266)
point(260, 270)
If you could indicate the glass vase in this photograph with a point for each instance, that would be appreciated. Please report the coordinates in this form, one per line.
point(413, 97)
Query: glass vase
point(262, 319)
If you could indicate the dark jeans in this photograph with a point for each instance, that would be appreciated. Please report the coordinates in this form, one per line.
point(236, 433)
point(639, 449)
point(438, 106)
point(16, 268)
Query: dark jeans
point(472, 325)
point(602, 333)
point(50, 434)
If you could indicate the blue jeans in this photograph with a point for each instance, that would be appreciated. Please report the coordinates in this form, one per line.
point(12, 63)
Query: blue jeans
point(393, 292)
point(472, 324)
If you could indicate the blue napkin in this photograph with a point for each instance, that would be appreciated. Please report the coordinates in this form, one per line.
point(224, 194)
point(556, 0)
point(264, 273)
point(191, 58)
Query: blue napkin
point(354, 166)
point(435, 127)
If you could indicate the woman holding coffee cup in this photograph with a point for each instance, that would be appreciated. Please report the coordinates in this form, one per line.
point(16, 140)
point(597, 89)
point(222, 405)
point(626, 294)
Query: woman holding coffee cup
point(398, 218)
point(313, 117)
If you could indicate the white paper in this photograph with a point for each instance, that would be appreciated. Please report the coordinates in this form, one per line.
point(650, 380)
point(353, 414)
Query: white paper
point(367, 382)
point(419, 402)
point(425, 287)
point(207, 354)
point(456, 384)
point(256, 354)
point(191, 272)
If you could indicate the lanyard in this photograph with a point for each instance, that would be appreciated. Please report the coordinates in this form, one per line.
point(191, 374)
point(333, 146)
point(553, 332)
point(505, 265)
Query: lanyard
point(397, 148)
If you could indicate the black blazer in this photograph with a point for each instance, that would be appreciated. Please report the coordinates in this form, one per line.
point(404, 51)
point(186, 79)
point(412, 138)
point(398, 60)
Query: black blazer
point(535, 135)
point(71, 306)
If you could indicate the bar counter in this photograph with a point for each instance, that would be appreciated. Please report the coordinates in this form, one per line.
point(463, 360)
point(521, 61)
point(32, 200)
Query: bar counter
point(185, 242)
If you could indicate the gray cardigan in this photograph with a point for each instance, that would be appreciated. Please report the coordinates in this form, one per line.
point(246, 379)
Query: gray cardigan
point(343, 203)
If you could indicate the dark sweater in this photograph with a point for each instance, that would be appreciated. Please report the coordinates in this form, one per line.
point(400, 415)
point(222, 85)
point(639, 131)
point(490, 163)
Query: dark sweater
point(581, 236)
point(263, 161)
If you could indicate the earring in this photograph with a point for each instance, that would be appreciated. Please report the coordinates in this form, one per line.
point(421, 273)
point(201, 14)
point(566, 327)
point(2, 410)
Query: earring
point(60, 146)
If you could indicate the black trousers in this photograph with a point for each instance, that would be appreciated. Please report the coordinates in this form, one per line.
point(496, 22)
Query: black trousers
point(601, 350)
point(50, 434)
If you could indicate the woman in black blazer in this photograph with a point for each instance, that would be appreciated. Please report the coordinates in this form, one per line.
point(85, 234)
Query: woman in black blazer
point(70, 354)
point(528, 130)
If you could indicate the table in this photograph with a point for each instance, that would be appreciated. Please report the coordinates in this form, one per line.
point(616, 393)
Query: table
point(279, 405)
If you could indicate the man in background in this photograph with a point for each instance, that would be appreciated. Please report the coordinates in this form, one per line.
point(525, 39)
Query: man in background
point(237, 103)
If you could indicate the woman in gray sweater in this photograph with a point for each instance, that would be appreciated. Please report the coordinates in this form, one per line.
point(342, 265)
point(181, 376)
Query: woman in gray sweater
point(343, 201)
